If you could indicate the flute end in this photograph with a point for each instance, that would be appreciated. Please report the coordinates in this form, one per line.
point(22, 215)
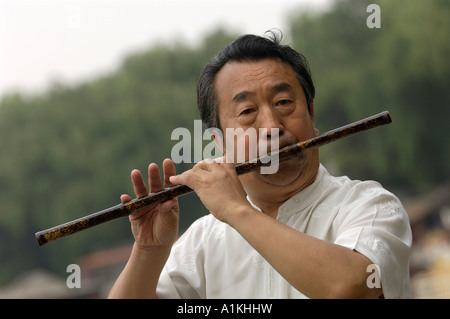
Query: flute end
point(387, 115)
point(41, 238)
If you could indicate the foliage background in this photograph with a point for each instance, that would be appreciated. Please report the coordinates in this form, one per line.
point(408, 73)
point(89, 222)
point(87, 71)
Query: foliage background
point(67, 151)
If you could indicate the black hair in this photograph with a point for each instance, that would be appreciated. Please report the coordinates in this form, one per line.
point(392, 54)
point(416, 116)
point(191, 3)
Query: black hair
point(247, 48)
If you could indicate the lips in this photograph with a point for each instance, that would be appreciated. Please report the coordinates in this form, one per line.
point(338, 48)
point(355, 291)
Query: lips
point(283, 142)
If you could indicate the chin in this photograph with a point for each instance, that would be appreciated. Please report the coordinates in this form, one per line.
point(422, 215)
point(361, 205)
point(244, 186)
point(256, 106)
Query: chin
point(288, 172)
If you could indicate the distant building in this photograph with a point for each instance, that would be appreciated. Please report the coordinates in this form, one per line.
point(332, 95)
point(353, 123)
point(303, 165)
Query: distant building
point(430, 258)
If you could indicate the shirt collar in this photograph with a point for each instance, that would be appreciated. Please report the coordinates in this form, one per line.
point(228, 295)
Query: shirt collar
point(302, 199)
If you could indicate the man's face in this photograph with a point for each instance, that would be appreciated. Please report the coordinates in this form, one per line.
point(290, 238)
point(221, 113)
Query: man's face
point(266, 94)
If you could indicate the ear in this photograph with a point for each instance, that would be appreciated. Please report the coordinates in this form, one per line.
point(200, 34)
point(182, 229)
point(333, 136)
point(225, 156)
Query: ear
point(311, 114)
point(311, 110)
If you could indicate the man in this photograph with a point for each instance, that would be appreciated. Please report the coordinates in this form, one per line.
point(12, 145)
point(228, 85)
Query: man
point(297, 233)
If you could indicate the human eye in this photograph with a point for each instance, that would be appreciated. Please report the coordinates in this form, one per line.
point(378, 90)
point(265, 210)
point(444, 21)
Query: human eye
point(284, 102)
point(246, 111)
point(285, 106)
point(247, 115)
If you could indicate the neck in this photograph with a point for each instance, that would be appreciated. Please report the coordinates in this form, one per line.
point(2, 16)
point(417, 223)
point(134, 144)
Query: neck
point(268, 196)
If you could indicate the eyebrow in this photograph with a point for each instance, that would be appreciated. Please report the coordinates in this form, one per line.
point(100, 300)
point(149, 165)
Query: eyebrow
point(280, 87)
point(241, 96)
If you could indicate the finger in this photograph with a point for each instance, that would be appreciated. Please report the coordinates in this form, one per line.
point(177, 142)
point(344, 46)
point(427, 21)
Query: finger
point(168, 205)
point(207, 165)
point(124, 198)
point(154, 178)
point(169, 170)
point(228, 166)
point(140, 190)
point(221, 159)
point(185, 178)
point(209, 160)
point(210, 165)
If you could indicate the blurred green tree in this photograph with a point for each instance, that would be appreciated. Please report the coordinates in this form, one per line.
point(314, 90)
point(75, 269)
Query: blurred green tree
point(68, 151)
point(401, 67)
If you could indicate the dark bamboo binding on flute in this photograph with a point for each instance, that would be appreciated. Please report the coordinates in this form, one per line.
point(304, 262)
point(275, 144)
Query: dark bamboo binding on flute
point(283, 154)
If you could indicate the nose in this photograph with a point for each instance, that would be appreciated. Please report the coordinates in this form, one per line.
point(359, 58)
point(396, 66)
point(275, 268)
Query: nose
point(271, 120)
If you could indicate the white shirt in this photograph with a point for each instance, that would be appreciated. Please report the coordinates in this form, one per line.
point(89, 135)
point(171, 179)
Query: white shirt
point(212, 260)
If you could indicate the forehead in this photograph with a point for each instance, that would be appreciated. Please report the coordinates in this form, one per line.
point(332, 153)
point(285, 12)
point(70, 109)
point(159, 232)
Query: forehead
point(235, 77)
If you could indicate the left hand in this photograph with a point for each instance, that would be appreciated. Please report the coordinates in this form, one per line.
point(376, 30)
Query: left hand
point(218, 187)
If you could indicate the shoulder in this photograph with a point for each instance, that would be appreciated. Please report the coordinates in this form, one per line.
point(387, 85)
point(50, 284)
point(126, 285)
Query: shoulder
point(357, 201)
point(354, 191)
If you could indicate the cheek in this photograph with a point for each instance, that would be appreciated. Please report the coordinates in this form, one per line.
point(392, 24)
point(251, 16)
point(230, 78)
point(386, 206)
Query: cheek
point(302, 129)
point(241, 146)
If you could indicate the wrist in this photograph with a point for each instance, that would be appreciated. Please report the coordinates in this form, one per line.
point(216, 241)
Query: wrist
point(240, 214)
point(150, 254)
point(144, 262)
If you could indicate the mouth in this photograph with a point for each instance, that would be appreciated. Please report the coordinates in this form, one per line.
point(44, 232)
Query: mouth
point(286, 160)
point(282, 143)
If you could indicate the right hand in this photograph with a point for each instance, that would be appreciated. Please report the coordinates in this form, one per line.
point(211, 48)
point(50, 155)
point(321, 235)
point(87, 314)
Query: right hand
point(156, 225)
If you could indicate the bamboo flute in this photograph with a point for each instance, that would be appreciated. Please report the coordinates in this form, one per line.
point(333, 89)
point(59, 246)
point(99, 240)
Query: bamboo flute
point(285, 153)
